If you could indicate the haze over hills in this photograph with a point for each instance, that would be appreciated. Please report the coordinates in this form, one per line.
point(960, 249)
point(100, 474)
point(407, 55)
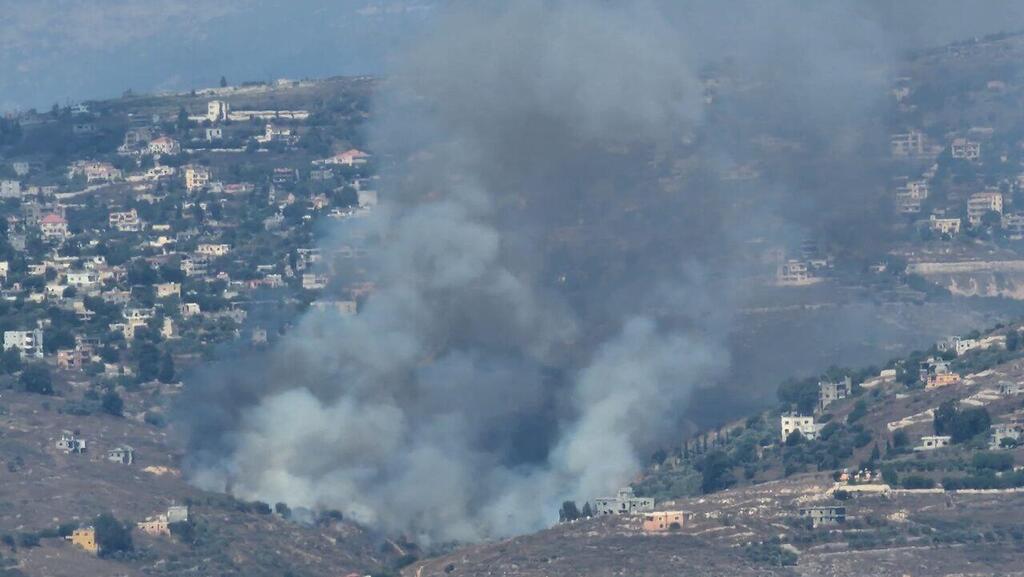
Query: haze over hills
point(406, 323)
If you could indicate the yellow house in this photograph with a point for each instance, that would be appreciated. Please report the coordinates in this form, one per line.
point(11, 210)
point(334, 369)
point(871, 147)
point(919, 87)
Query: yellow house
point(942, 380)
point(86, 539)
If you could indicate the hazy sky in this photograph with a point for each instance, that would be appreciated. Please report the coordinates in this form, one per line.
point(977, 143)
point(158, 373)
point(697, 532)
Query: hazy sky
point(71, 50)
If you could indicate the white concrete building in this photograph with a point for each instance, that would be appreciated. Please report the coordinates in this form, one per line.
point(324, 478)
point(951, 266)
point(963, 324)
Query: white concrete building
point(965, 149)
point(981, 203)
point(10, 189)
point(804, 424)
point(28, 343)
point(932, 442)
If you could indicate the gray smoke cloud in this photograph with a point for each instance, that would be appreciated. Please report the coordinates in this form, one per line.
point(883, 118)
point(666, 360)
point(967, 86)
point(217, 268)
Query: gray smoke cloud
point(556, 259)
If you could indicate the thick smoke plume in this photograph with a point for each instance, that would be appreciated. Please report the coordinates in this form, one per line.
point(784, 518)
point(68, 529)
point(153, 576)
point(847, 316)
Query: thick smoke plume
point(555, 261)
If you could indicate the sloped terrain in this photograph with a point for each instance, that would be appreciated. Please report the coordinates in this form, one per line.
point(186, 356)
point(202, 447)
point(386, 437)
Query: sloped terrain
point(42, 488)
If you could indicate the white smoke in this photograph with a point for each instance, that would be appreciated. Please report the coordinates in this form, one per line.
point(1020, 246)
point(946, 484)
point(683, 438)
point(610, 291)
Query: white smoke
point(490, 376)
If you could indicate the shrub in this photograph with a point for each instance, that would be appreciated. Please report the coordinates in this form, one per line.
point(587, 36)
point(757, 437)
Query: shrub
point(917, 482)
point(155, 419)
point(112, 404)
point(993, 461)
point(112, 535)
point(36, 379)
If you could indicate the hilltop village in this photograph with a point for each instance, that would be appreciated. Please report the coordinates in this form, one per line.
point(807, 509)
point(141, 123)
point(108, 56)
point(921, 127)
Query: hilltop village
point(142, 233)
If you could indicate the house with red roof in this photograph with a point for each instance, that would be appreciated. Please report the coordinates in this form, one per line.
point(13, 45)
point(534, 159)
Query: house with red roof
point(351, 157)
point(53, 227)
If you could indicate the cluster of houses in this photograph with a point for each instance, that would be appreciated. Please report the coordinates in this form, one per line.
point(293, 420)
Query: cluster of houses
point(828, 392)
point(156, 526)
point(625, 502)
point(70, 443)
point(59, 263)
point(977, 208)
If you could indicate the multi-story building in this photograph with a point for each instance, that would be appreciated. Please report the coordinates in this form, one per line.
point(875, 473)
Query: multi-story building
point(53, 227)
point(217, 110)
point(214, 250)
point(981, 203)
point(28, 343)
point(1013, 225)
point(910, 195)
point(965, 149)
point(164, 145)
point(83, 279)
point(944, 226)
point(793, 422)
point(126, 221)
point(624, 503)
point(196, 177)
point(795, 273)
point(907, 144)
point(829, 392)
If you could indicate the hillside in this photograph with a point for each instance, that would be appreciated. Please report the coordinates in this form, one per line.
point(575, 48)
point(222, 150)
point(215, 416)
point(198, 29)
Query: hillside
point(954, 510)
point(749, 531)
point(43, 488)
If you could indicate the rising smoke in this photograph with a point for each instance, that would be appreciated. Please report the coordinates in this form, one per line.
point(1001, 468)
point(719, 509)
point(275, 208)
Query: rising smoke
point(556, 260)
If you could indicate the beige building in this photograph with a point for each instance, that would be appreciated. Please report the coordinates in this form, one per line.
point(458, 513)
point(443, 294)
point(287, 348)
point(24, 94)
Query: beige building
point(164, 145)
point(946, 226)
point(196, 177)
point(168, 289)
point(86, 539)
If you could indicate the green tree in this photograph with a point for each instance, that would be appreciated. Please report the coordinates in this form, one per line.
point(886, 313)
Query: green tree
point(10, 361)
point(716, 472)
point(166, 371)
point(859, 410)
point(802, 394)
point(37, 379)
point(112, 535)
point(961, 424)
point(148, 358)
point(890, 476)
point(112, 404)
point(568, 512)
point(992, 461)
point(1012, 340)
point(900, 439)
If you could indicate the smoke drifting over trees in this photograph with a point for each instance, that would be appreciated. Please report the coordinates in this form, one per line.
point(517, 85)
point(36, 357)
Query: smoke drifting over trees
point(557, 258)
